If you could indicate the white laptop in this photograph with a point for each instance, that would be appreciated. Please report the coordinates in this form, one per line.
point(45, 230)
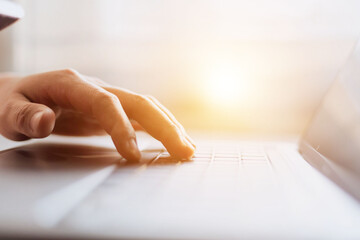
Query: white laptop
point(80, 188)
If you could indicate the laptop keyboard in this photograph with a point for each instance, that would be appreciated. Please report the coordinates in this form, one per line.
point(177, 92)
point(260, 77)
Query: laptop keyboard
point(213, 165)
point(220, 155)
point(218, 173)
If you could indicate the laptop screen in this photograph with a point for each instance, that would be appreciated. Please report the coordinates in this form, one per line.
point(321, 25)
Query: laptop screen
point(10, 12)
point(332, 141)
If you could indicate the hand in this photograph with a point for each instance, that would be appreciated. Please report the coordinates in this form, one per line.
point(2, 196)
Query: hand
point(68, 103)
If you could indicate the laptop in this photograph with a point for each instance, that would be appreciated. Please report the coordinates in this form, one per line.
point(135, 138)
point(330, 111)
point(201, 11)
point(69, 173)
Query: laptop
point(80, 188)
point(10, 12)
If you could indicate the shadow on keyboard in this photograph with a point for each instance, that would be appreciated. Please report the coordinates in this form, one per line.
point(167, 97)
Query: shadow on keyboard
point(55, 156)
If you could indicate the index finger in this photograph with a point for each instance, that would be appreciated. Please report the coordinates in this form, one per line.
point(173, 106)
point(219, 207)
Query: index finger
point(67, 89)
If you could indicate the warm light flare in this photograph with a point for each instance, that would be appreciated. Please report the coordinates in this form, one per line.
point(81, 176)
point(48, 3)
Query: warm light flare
point(225, 84)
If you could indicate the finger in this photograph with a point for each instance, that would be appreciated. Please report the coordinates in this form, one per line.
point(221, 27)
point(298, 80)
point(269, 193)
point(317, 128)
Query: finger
point(68, 89)
point(74, 123)
point(173, 119)
point(29, 119)
point(136, 126)
point(155, 122)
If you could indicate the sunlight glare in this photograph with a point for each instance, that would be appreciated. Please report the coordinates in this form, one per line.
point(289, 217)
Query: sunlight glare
point(225, 85)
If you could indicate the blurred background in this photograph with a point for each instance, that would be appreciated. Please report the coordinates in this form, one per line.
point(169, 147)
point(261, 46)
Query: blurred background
point(222, 65)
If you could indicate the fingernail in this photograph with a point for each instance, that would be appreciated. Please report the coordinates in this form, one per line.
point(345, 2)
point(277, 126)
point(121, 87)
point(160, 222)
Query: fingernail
point(189, 145)
point(34, 122)
point(134, 149)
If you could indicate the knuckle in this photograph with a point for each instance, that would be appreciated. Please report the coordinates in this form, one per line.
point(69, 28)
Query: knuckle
point(21, 115)
point(106, 98)
point(69, 72)
point(141, 99)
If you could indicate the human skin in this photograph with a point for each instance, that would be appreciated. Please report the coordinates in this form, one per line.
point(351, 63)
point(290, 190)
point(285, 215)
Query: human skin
point(66, 102)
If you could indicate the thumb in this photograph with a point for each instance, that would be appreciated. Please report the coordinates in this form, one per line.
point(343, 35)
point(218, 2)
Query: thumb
point(30, 119)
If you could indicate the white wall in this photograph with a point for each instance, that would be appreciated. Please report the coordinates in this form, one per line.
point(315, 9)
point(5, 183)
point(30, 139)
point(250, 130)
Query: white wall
point(288, 50)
